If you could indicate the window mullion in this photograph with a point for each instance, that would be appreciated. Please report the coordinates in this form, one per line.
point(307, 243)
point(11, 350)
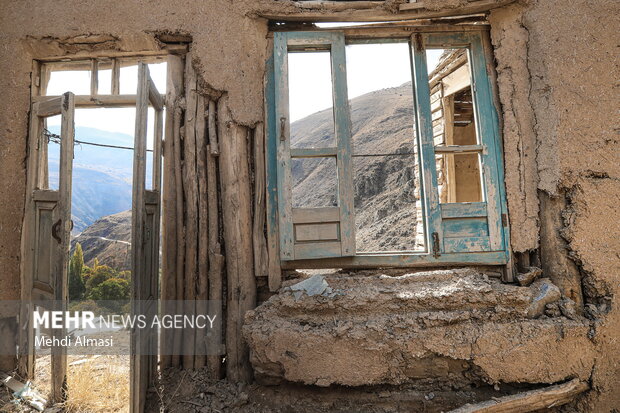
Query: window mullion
point(428, 173)
point(342, 125)
point(486, 119)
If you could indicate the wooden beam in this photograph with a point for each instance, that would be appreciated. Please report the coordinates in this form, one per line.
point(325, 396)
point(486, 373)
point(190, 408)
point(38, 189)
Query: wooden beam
point(258, 233)
point(318, 14)
point(237, 221)
point(203, 229)
point(178, 181)
point(216, 260)
point(94, 77)
point(49, 106)
point(529, 401)
point(174, 89)
point(190, 187)
point(86, 101)
point(116, 75)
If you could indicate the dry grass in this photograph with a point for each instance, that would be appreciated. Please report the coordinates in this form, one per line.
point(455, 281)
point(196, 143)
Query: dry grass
point(99, 385)
point(96, 384)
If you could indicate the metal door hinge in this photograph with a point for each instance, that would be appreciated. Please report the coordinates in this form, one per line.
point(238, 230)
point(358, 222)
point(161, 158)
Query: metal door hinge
point(436, 253)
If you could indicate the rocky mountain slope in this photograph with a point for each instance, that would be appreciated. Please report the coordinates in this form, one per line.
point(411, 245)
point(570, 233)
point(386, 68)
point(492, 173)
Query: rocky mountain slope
point(383, 176)
point(108, 240)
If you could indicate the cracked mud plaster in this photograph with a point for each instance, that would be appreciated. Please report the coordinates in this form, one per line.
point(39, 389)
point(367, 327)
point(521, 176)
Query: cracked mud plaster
point(566, 52)
point(510, 42)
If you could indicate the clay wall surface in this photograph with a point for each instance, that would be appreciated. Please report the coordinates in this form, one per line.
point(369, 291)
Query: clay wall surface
point(558, 85)
point(557, 68)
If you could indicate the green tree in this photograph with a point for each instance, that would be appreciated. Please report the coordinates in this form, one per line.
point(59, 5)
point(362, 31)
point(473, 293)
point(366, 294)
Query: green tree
point(77, 288)
point(98, 275)
point(112, 294)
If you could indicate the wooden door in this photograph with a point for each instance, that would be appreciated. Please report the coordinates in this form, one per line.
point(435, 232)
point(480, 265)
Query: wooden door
point(145, 239)
point(46, 236)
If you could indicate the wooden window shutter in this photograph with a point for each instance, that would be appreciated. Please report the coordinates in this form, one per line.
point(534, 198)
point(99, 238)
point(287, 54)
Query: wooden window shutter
point(314, 232)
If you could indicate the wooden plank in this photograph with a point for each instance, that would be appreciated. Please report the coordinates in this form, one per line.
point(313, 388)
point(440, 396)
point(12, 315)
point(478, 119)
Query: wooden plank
point(48, 106)
point(180, 225)
point(45, 195)
point(261, 260)
point(314, 215)
point(317, 232)
point(416, 260)
point(284, 180)
point(138, 366)
point(464, 210)
point(174, 88)
point(459, 149)
point(61, 260)
point(203, 229)
point(237, 222)
point(432, 212)
point(468, 244)
point(216, 260)
point(318, 250)
point(156, 99)
point(313, 152)
point(94, 77)
point(529, 401)
point(116, 75)
point(343, 139)
point(86, 101)
point(447, 105)
point(456, 80)
point(213, 145)
point(190, 188)
point(465, 227)
point(26, 359)
point(370, 15)
point(271, 160)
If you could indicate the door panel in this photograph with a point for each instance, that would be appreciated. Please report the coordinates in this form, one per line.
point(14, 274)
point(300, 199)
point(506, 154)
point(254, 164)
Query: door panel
point(145, 241)
point(47, 237)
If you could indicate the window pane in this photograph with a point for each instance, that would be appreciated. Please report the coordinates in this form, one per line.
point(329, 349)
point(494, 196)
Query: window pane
point(458, 177)
point(314, 182)
point(388, 214)
point(105, 82)
point(76, 81)
point(388, 210)
point(310, 100)
point(128, 80)
point(454, 124)
point(380, 98)
point(52, 137)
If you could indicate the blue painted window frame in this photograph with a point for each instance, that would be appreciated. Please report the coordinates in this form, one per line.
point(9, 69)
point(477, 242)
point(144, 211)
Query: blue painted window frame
point(462, 217)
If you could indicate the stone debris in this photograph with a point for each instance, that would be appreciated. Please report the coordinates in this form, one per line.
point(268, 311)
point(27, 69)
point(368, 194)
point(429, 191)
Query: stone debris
point(545, 292)
point(315, 285)
point(529, 277)
point(568, 308)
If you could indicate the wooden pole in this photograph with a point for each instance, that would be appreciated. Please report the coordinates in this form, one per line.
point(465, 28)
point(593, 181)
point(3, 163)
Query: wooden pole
point(216, 259)
point(237, 221)
point(180, 287)
point(174, 87)
point(533, 400)
point(258, 232)
point(190, 186)
point(203, 229)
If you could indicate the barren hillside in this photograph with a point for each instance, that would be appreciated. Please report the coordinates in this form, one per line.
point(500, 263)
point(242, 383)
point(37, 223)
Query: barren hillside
point(381, 124)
